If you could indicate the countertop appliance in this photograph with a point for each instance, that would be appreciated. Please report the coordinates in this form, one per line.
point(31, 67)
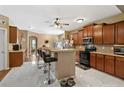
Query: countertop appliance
point(87, 40)
point(16, 47)
point(119, 50)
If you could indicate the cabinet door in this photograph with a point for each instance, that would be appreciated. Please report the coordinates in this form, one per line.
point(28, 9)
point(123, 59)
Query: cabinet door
point(15, 59)
point(119, 67)
point(120, 33)
point(77, 56)
point(108, 34)
point(97, 30)
point(75, 38)
point(80, 37)
point(109, 64)
point(93, 60)
point(100, 62)
point(85, 32)
point(12, 34)
point(90, 31)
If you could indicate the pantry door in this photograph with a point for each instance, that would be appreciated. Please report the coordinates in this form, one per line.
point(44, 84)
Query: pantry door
point(2, 49)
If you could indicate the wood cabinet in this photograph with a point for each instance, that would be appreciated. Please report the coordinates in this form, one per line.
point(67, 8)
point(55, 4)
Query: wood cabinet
point(15, 59)
point(12, 34)
point(93, 60)
point(119, 67)
point(97, 34)
point(102, 34)
point(80, 37)
point(85, 32)
point(113, 65)
point(75, 38)
point(90, 30)
point(77, 56)
point(100, 62)
point(108, 33)
point(109, 64)
point(120, 33)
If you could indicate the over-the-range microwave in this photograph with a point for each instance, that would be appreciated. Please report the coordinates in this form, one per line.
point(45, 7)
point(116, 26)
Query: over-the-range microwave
point(87, 40)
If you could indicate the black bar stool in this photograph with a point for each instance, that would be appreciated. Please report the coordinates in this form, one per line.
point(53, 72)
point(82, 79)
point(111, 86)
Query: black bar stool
point(48, 60)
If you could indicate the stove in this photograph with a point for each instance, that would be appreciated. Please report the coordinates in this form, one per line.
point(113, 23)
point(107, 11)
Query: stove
point(85, 55)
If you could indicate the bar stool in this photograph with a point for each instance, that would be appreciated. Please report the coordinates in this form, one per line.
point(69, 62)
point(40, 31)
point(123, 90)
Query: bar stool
point(48, 60)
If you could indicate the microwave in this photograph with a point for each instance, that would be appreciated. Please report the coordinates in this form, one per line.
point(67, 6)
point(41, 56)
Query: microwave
point(87, 40)
point(16, 47)
point(119, 50)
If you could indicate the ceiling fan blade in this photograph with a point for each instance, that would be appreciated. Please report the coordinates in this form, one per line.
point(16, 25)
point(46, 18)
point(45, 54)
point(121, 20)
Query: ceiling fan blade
point(51, 25)
point(66, 24)
point(47, 22)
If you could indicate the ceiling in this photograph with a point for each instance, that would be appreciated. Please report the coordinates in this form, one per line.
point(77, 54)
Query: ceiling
point(35, 17)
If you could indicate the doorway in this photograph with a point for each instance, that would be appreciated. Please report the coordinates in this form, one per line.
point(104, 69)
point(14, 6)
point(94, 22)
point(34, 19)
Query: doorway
point(3, 50)
point(32, 45)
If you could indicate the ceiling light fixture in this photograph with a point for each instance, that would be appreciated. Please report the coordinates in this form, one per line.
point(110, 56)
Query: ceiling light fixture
point(80, 20)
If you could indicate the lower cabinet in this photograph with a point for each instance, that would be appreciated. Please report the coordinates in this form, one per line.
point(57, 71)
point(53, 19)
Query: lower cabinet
point(77, 56)
point(119, 67)
point(100, 62)
point(113, 65)
point(15, 59)
point(93, 60)
point(109, 64)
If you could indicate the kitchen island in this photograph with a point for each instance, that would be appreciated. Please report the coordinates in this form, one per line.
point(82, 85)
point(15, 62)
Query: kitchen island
point(65, 66)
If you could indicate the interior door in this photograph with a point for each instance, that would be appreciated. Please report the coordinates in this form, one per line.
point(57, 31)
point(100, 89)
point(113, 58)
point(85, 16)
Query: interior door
point(33, 45)
point(2, 49)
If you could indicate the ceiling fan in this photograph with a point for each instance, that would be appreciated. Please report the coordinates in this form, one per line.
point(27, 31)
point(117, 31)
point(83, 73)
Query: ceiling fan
point(58, 23)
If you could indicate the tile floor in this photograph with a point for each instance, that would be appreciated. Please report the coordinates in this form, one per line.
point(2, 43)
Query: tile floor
point(28, 75)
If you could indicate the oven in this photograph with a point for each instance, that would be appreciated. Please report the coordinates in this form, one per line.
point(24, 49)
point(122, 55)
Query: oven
point(85, 58)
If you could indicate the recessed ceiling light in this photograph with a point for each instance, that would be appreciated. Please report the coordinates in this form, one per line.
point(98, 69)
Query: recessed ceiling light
point(80, 20)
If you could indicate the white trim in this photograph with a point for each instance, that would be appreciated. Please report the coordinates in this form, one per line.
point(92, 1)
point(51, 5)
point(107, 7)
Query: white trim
point(6, 47)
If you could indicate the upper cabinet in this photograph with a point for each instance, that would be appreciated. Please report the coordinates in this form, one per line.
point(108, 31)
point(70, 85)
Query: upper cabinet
point(75, 38)
point(80, 36)
point(108, 33)
point(85, 32)
point(119, 33)
point(97, 34)
point(88, 31)
point(12, 34)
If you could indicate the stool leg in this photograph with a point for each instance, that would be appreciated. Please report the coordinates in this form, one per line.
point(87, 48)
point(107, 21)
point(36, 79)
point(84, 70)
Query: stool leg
point(45, 65)
point(49, 81)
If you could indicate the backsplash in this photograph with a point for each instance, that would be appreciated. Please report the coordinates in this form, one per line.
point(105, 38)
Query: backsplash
point(104, 48)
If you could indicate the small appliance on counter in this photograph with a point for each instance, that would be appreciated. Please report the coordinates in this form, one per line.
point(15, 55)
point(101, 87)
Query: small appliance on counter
point(16, 47)
point(119, 50)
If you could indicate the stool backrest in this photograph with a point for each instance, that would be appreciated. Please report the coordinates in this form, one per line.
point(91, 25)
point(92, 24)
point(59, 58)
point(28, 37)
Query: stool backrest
point(42, 54)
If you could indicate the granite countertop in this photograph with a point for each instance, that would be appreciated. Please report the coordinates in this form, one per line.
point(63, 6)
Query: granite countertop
point(109, 54)
point(63, 50)
point(21, 50)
